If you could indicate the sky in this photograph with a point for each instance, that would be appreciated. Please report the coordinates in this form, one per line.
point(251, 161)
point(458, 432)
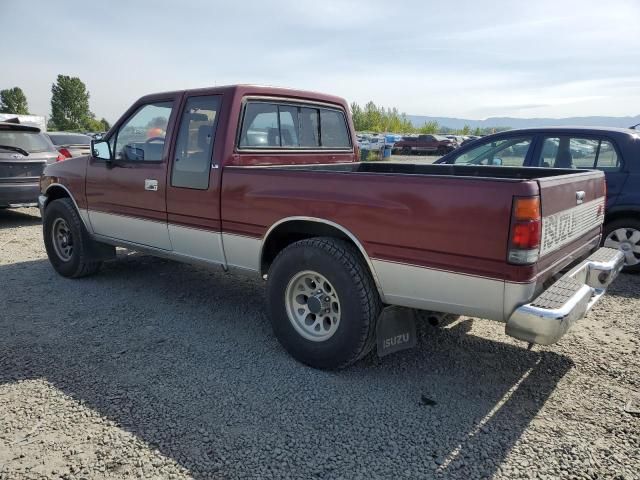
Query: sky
point(470, 59)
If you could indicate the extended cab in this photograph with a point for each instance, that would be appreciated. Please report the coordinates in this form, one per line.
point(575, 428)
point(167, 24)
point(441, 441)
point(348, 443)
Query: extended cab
point(267, 180)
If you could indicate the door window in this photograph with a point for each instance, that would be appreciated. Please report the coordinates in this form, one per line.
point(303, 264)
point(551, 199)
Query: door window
point(565, 151)
point(194, 146)
point(141, 137)
point(508, 152)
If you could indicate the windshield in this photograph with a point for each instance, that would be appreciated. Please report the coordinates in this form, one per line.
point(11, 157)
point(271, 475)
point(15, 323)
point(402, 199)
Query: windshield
point(69, 139)
point(32, 142)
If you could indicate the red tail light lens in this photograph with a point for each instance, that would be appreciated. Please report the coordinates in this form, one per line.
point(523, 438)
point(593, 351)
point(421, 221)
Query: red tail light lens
point(526, 235)
point(526, 231)
point(65, 154)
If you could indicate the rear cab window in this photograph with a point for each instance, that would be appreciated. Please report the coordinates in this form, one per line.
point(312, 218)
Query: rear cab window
point(291, 126)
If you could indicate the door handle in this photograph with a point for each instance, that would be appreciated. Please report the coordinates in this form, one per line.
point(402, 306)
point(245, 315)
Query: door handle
point(151, 185)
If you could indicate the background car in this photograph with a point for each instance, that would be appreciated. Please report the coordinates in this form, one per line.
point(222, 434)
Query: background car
point(427, 144)
point(24, 152)
point(71, 144)
point(615, 151)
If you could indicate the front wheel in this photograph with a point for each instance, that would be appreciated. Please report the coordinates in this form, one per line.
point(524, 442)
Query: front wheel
point(323, 303)
point(624, 235)
point(66, 241)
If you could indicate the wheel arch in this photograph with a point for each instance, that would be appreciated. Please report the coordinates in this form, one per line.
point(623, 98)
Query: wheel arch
point(56, 191)
point(292, 229)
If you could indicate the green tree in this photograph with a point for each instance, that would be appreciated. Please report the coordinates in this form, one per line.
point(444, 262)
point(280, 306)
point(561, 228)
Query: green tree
point(70, 104)
point(105, 126)
point(13, 100)
point(466, 130)
point(477, 131)
point(372, 118)
point(429, 127)
point(357, 116)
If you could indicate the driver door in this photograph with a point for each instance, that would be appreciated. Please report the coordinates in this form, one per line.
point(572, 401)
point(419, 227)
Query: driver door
point(127, 197)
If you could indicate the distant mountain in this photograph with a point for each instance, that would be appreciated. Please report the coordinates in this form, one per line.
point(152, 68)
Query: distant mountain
point(457, 123)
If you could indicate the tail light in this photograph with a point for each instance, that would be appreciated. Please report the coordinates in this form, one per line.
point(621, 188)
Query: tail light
point(526, 230)
point(64, 154)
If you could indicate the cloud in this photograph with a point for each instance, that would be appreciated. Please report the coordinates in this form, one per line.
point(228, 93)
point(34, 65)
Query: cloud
point(543, 58)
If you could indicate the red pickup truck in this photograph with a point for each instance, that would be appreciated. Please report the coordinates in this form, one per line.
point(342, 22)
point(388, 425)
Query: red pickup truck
point(267, 180)
point(428, 144)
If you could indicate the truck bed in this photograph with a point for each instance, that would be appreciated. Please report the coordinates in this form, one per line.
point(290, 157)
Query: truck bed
point(443, 170)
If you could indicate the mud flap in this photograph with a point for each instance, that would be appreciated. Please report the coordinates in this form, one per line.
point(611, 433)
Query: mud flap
point(396, 330)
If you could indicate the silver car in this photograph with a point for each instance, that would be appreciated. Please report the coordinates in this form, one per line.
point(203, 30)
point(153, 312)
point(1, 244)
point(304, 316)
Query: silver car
point(71, 144)
point(24, 152)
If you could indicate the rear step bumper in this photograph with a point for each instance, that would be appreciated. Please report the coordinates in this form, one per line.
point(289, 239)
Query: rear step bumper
point(19, 194)
point(547, 318)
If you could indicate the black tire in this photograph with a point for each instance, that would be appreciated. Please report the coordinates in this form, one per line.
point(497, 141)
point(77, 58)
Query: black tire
point(79, 263)
point(340, 263)
point(626, 223)
point(406, 151)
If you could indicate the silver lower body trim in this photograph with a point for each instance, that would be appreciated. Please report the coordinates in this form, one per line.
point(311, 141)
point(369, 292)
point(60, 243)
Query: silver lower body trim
point(132, 229)
point(547, 318)
point(441, 291)
point(242, 252)
point(200, 244)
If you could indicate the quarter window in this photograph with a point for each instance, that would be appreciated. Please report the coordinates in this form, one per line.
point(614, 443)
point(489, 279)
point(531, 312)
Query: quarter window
point(287, 126)
point(141, 137)
point(607, 160)
point(194, 146)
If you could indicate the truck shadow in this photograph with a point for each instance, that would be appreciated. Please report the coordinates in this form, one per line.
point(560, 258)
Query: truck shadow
point(23, 217)
point(161, 347)
point(627, 285)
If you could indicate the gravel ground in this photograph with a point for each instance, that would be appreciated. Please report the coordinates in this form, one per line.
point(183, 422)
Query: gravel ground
point(156, 369)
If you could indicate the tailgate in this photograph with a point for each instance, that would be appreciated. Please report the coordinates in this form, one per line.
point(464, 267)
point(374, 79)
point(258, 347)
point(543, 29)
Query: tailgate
point(21, 170)
point(572, 211)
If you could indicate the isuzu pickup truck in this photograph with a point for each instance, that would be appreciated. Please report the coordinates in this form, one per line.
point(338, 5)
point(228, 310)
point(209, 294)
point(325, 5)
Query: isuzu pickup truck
point(267, 180)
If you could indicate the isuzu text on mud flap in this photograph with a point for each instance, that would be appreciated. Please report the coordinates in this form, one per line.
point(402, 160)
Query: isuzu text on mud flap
point(267, 180)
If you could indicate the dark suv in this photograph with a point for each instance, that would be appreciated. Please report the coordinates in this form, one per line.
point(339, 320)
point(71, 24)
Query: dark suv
point(615, 151)
point(24, 152)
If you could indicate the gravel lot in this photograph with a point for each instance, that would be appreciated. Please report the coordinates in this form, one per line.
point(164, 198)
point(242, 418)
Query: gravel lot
point(161, 370)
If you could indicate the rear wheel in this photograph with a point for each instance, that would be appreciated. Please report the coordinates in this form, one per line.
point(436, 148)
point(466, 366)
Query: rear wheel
point(66, 240)
point(323, 303)
point(406, 151)
point(624, 235)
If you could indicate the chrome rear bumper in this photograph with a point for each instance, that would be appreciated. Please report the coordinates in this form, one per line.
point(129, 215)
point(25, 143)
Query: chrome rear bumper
point(547, 318)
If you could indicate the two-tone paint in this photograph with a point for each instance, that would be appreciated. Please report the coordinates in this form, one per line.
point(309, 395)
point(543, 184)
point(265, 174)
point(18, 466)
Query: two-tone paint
point(432, 239)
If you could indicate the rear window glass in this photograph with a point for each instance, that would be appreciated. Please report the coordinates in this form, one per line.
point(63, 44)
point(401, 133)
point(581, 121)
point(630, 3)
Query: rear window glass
point(32, 142)
point(66, 139)
point(333, 129)
point(290, 126)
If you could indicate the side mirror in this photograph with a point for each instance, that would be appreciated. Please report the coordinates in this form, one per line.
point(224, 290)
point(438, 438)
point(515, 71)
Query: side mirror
point(497, 162)
point(101, 149)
